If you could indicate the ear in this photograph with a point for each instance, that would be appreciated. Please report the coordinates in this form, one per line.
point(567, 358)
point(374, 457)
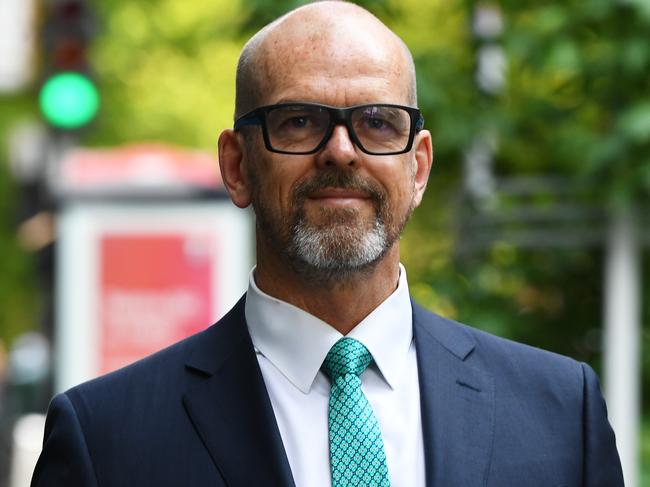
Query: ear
point(234, 170)
point(423, 161)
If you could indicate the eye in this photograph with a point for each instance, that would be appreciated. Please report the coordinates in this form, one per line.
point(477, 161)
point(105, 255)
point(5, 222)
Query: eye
point(376, 123)
point(298, 122)
point(381, 122)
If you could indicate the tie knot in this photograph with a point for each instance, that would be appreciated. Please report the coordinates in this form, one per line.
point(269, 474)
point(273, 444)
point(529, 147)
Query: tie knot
point(347, 356)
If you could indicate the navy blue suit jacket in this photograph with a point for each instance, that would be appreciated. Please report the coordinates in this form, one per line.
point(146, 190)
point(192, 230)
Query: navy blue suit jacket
point(494, 413)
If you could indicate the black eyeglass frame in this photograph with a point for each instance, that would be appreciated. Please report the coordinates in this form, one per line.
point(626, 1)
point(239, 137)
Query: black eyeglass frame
point(338, 116)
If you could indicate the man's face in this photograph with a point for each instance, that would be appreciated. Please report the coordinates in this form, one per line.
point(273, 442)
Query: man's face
point(338, 211)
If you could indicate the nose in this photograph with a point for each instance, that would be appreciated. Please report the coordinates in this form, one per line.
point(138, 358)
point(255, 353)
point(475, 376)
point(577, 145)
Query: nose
point(339, 149)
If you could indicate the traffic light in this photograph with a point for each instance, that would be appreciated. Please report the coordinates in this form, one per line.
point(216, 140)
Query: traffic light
point(68, 98)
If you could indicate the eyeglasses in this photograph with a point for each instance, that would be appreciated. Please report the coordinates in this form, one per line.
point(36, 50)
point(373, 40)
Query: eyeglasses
point(305, 128)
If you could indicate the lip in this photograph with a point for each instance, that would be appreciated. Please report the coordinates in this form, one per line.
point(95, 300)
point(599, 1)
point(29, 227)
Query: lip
point(339, 198)
point(339, 194)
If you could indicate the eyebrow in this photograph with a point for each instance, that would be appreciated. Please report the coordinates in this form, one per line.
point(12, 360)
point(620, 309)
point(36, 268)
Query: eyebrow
point(297, 102)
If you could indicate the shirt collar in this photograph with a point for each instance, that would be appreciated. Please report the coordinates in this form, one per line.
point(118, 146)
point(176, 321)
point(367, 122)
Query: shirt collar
point(296, 342)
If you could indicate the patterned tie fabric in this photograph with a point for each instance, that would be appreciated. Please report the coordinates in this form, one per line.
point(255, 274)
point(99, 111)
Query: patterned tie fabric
point(356, 449)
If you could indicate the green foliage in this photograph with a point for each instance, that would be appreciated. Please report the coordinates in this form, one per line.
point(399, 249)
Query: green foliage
point(17, 283)
point(166, 70)
point(258, 13)
point(577, 92)
point(440, 41)
point(576, 99)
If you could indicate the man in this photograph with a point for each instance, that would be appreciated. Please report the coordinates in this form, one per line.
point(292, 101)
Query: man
point(325, 373)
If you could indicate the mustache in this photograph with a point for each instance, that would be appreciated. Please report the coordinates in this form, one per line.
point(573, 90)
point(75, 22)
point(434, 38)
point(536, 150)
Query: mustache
point(341, 179)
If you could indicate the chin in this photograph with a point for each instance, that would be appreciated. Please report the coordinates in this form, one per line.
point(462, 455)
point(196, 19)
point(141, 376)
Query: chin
point(338, 250)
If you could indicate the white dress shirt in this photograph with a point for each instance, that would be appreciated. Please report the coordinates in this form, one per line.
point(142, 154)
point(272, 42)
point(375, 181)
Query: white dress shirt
point(291, 346)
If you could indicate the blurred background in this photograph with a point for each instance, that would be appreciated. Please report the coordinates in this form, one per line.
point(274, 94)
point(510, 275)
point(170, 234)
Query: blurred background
point(116, 237)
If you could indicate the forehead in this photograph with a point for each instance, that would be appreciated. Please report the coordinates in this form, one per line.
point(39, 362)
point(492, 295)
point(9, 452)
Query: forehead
point(340, 63)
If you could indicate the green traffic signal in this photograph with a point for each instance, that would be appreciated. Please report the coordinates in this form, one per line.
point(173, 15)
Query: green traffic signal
point(69, 100)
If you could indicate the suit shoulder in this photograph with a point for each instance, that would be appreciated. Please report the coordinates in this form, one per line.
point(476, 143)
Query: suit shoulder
point(494, 352)
point(167, 368)
point(143, 372)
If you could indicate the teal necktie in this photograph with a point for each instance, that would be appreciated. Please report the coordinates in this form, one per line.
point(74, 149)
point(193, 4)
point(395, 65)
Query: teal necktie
point(356, 449)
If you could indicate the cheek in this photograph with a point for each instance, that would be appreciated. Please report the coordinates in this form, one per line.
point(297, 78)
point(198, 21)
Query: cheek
point(279, 181)
point(273, 193)
point(398, 179)
point(266, 184)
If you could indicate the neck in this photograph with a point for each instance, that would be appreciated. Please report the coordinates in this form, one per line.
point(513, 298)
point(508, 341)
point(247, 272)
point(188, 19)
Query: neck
point(343, 304)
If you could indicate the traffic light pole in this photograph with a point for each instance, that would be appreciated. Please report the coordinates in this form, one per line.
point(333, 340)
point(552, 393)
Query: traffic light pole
point(69, 99)
point(621, 337)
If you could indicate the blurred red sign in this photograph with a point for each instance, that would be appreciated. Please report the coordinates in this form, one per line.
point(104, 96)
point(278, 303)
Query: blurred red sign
point(155, 289)
point(140, 166)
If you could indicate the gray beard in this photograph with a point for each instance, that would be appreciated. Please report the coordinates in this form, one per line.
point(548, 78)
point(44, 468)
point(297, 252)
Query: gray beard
point(337, 251)
point(341, 248)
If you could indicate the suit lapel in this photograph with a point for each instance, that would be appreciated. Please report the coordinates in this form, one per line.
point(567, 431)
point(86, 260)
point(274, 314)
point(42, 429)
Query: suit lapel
point(457, 403)
point(231, 410)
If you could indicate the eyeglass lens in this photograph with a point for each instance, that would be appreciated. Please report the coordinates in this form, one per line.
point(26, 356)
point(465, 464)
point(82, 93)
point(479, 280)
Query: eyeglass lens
point(301, 128)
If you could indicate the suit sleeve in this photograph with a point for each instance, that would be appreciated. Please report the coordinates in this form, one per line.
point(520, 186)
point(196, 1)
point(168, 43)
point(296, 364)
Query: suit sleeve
point(602, 467)
point(65, 459)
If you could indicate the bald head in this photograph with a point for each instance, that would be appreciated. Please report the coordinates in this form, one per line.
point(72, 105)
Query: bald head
point(325, 38)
